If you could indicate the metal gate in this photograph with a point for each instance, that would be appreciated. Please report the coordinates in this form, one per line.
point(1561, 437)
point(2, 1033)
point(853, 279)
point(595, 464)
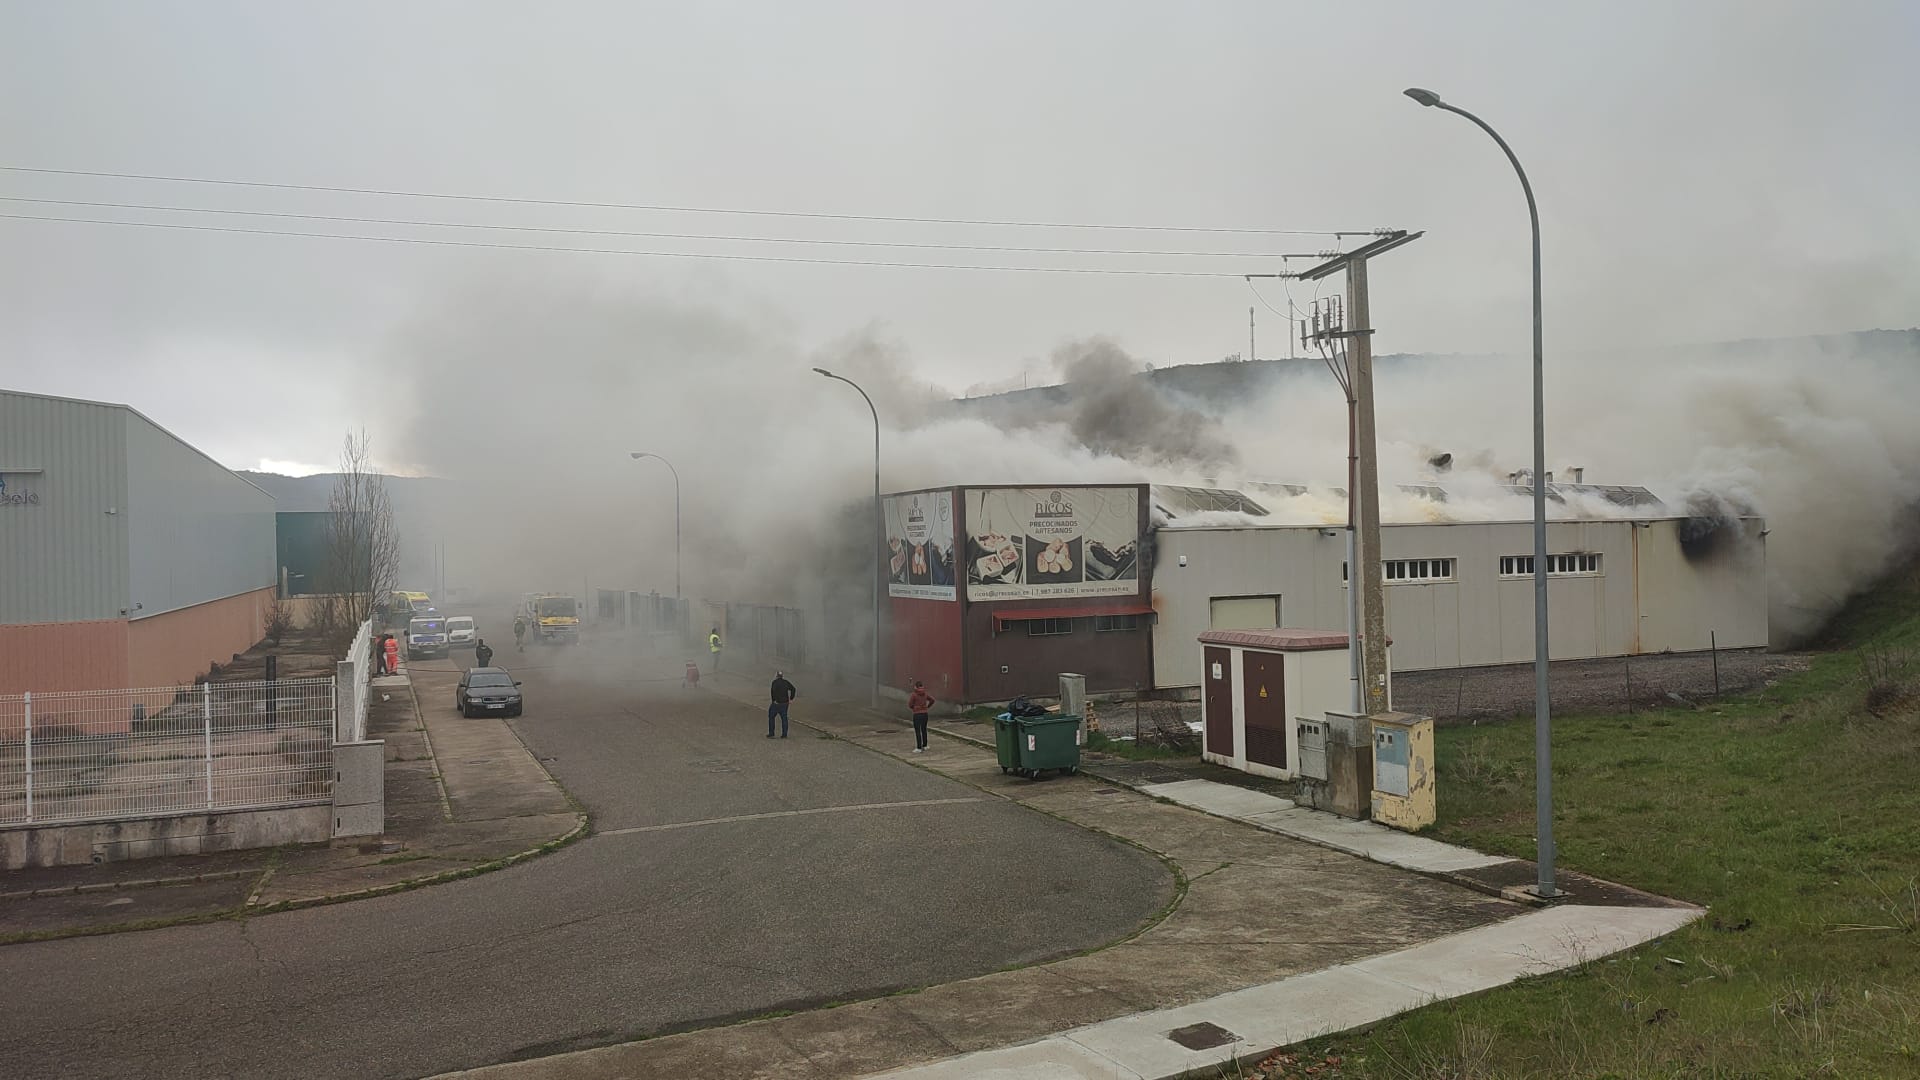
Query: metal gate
point(1219, 701)
point(1265, 693)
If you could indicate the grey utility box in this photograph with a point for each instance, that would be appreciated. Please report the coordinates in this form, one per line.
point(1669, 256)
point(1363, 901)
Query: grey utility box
point(1312, 736)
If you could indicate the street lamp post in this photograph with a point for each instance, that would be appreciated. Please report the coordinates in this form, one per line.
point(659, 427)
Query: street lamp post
point(879, 528)
point(637, 455)
point(1542, 709)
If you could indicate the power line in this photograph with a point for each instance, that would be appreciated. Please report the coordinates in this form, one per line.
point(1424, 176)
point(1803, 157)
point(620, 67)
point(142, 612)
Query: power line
point(889, 265)
point(689, 209)
point(625, 232)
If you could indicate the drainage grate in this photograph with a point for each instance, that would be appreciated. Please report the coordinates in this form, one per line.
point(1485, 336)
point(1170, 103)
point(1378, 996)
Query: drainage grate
point(1202, 1036)
point(1106, 791)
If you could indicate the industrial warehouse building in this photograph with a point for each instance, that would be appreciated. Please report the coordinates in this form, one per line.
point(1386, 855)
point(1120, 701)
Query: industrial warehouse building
point(127, 557)
point(992, 591)
point(1460, 594)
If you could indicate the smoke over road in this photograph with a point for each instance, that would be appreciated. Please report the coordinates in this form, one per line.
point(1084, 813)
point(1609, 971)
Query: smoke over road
point(528, 394)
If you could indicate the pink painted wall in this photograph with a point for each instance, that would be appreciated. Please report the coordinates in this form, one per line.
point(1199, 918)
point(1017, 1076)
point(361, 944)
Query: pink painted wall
point(44, 657)
point(171, 649)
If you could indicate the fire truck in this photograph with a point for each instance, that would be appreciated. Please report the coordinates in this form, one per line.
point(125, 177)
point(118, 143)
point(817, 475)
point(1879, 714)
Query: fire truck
point(552, 618)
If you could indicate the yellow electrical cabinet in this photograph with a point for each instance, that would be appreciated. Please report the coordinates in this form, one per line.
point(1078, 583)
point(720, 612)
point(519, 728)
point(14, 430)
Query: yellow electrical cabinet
point(1403, 776)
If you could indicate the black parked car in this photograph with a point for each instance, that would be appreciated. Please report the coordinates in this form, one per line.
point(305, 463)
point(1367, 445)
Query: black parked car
point(485, 690)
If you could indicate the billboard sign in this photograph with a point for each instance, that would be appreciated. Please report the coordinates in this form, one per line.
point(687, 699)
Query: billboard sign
point(1034, 543)
point(920, 545)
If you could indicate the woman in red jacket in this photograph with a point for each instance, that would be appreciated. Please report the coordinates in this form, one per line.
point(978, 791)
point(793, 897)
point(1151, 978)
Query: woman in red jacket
point(919, 702)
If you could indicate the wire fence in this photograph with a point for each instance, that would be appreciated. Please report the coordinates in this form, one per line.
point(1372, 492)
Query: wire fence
point(1624, 684)
point(104, 755)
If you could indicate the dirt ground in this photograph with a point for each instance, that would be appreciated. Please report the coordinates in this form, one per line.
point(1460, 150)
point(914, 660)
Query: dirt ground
point(303, 654)
point(1467, 694)
point(1609, 685)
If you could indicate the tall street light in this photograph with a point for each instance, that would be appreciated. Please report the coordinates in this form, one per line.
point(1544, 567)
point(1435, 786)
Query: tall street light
point(879, 528)
point(637, 455)
point(1542, 709)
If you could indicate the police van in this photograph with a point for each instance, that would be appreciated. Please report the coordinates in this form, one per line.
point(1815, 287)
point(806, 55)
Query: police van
point(427, 637)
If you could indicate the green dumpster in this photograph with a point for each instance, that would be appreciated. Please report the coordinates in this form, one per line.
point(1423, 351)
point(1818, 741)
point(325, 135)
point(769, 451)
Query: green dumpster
point(1047, 742)
point(1006, 741)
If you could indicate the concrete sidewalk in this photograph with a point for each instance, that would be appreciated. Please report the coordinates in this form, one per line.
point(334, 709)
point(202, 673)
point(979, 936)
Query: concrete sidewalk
point(1253, 1022)
point(1270, 935)
point(463, 796)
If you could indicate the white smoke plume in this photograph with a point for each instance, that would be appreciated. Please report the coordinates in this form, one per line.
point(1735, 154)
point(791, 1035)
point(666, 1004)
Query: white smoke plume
point(528, 394)
point(1817, 436)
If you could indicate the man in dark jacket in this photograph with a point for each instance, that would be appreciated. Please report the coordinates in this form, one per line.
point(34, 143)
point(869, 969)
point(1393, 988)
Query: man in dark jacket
point(783, 695)
point(482, 654)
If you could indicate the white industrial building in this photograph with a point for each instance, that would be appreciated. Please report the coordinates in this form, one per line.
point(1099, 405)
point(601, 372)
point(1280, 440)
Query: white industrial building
point(1460, 594)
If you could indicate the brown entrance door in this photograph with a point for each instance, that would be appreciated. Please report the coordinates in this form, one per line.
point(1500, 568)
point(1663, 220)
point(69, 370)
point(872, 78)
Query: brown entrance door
point(1266, 709)
point(1217, 679)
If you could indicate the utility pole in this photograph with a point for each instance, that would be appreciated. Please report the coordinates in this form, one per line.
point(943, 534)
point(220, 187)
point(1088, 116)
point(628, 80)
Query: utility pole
point(1369, 574)
point(1251, 355)
point(1353, 331)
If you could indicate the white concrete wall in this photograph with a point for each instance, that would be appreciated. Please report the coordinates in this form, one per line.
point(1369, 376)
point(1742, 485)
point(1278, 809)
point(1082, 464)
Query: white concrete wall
point(1648, 597)
point(1299, 565)
point(1323, 685)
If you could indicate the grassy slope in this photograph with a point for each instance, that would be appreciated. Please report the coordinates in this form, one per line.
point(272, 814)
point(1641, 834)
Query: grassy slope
point(1794, 814)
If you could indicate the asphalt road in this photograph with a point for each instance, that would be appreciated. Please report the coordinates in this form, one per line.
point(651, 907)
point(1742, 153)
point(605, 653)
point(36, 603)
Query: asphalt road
point(729, 875)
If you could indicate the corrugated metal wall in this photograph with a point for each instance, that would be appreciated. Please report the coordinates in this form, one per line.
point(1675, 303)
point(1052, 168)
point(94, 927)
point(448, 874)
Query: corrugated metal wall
point(196, 532)
point(63, 558)
point(304, 551)
point(1647, 596)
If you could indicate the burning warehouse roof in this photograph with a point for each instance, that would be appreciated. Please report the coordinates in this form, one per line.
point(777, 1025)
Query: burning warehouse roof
point(1173, 502)
point(1175, 505)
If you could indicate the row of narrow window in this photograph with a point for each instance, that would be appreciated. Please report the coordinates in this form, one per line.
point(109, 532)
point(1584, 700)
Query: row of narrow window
point(1557, 565)
point(1101, 623)
point(1415, 570)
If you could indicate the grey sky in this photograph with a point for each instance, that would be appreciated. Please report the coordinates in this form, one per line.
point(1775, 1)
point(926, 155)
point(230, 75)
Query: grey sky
point(1706, 171)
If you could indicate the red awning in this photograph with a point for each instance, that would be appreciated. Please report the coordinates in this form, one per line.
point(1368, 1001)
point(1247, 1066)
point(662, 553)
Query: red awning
point(1073, 611)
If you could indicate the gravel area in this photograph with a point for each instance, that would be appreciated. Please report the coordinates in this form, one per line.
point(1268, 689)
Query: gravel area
point(1465, 694)
point(1505, 690)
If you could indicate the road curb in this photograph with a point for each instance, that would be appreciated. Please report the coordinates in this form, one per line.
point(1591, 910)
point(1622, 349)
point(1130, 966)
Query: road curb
point(136, 883)
point(579, 830)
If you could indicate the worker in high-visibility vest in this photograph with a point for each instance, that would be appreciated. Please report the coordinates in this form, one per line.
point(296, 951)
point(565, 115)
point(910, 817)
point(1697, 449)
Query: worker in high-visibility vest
point(713, 646)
